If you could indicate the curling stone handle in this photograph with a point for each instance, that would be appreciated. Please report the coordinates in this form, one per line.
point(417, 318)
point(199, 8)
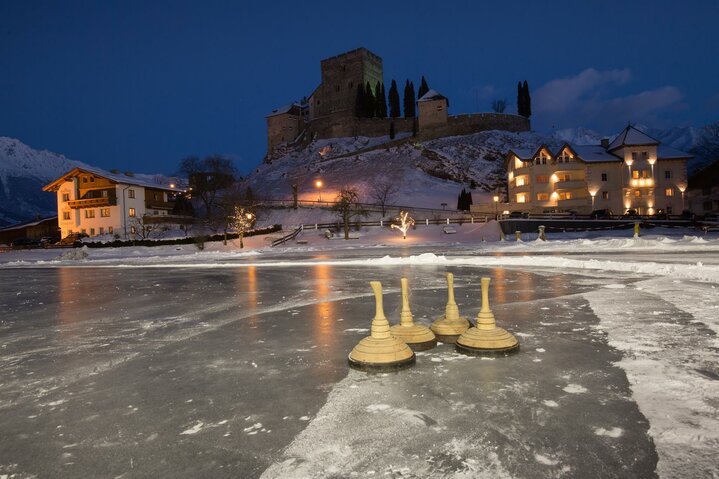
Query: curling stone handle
point(405, 295)
point(450, 288)
point(485, 294)
point(377, 288)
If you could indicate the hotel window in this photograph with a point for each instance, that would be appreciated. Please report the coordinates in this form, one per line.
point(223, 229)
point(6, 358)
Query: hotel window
point(669, 192)
point(645, 155)
point(109, 229)
point(637, 193)
point(604, 177)
point(83, 231)
point(520, 181)
point(634, 156)
point(130, 193)
point(522, 198)
point(133, 230)
point(89, 213)
point(668, 174)
point(66, 215)
point(66, 197)
point(567, 178)
point(646, 174)
point(566, 195)
point(635, 174)
point(542, 197)
point(131, 212)
point(105, 212)
point(542, 179)
point(92, 231)
point(605, 195)
point(102, 230)
point(564, 158)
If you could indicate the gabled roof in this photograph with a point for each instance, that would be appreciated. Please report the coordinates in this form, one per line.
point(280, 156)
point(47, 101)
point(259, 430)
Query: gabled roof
point(293, 108)
point(592, 153)
point(26, 224)
point(432, 95)
point(524, 154)
point(146, 181)
point(668, 153)
point(630, 136)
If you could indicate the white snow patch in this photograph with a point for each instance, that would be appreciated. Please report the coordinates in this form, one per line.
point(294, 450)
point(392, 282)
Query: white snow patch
point(545, 460)
point(550, 403)
point(194, 429)
point(613, 432)
point(574, 389)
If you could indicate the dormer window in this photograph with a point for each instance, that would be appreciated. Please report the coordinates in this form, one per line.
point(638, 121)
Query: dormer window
point(564, 157)
point(541, 158)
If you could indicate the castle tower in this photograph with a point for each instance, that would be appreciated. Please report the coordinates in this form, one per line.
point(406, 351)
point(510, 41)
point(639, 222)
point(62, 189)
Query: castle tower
point(341, 75)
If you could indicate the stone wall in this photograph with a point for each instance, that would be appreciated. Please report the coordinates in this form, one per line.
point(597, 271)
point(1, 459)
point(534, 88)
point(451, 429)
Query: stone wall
point(475, 122)
point(337, 126)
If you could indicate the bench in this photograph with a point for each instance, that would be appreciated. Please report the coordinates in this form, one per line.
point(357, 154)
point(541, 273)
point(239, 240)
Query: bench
point(449, 230)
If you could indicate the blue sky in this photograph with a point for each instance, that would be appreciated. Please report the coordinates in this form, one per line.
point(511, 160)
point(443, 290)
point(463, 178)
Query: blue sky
point(140, 85)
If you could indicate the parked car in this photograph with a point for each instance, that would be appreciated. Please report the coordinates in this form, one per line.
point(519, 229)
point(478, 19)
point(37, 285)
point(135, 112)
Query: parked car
point(517, 214)
point(630, 215)
point(72, 238)
point(601, 214)
point(24, 243)
point(687, 215)
point(661, 215)
point(46, 240)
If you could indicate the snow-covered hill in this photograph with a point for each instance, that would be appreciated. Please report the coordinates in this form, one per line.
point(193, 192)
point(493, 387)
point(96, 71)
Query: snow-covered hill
point(23, 173)
point(426, 174)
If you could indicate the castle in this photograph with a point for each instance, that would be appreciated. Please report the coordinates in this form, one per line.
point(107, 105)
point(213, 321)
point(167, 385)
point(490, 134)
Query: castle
point(329, 111)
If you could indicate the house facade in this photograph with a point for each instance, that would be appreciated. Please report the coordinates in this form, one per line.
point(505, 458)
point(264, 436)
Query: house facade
point(98, 202)
point(633, 172)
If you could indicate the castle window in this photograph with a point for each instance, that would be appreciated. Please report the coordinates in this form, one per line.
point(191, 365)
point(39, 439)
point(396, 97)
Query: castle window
point(109, 229)
point(604, 177)
point(635, 174)
point(668, 174)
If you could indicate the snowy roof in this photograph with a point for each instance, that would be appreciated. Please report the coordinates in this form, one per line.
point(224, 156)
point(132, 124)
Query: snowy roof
point(284, 109)
point(591, 153)
point(667, 152)
point(432, 95)
point(524, 154)
point(148, 181)
point(26, 224)
point(632, 137)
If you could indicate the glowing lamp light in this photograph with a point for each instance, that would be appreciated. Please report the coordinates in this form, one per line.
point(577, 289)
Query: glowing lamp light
point(318, 184)
point(172, 185)
point(652, 161)
point(554, 177)
point(682, 188)
point(555, 195)
point(629, 161)
point(511, 175)
point(593, 193)
point(496, 198)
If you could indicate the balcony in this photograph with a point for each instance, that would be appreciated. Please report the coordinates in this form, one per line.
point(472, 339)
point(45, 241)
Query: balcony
point(571, 166)
point(525, 170)
point(570, 185)
point(525, 188)
point(159, 205)
point(92, 202)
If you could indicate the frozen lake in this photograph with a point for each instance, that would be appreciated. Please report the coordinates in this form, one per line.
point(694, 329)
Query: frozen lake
point(123, 370)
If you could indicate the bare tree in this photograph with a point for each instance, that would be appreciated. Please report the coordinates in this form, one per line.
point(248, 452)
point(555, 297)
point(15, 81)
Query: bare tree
point(141, 228)
point(208, 177)
point(498, 106)
point(384, 193)
point(347, 207)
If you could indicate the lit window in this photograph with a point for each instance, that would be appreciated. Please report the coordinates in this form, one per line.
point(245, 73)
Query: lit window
point(89, 213)
point(66, 197)
point(131, 212)
point(567, 178)
point(66, 215)
point(565, 195)
point(635, 174)
point(133, 230)
point(646, 174)
point(604, 177)
point(637, 193)
point(520, 181)
point(669, 192)
point(109, 229)
point(105, 212)
point(542, 197)
point(521, 198)
point(605, 195)
point(130, 193)
point(542, 179)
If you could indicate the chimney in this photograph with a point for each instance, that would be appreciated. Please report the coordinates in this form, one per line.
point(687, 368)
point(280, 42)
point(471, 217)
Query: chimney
point(605, 143)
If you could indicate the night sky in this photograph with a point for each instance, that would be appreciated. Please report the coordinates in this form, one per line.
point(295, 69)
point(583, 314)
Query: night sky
point(139, 85)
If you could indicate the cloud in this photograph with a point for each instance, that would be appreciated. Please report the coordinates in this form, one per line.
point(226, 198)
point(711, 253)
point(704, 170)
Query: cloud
point(590, 99)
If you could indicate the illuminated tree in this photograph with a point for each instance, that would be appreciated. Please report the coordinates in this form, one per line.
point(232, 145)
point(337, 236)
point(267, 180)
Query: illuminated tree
point(405, 223)
point(241, 221)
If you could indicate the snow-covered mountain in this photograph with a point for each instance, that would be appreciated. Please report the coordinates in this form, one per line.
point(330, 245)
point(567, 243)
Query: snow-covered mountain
point(23, 173)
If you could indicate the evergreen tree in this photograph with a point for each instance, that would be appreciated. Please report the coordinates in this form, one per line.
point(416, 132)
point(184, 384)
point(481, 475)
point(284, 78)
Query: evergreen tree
point(460, 198)
point(359, 102)
point(369, 102)
point(412, 101)
point(414, 128)
point(423, 88)
point(380, 107)
point(391, 131)
point(383, 103)
point(409, 107)
point(394, 109)
point(520, 99)
point(527, 100)
point(469, 199)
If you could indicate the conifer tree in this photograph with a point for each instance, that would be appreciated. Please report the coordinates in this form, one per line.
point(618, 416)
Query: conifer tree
point(423, 88)
point(359, 102)
point(527, 100)
point(405, 100)
point(520, 99)
point(369, 101)
point(412, 102)
point(383, 103)
point(391, 131)
point(394, 109)
point(409, 107)
point(380, 103)
point(460, 198)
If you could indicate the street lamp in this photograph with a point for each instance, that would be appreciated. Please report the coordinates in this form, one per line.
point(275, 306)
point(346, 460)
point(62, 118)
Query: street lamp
point(682, 189)
point(318, 185)
point(496, 206)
